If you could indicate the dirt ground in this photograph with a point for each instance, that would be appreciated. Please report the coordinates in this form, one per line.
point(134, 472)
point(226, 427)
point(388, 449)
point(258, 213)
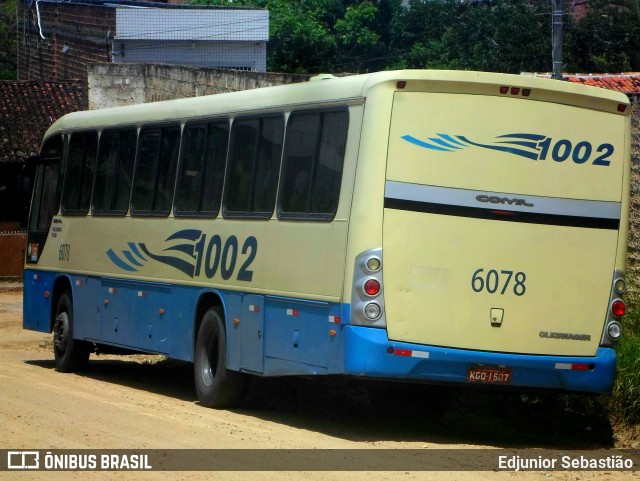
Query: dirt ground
point(139, 402)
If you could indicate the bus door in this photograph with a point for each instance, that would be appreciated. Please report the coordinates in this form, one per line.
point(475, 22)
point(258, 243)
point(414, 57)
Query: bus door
point(45, 204)
point(501, 222)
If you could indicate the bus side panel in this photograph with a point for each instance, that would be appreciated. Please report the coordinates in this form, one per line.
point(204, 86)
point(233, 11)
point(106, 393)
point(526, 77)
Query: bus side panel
point(85, 294)
point(36, 305)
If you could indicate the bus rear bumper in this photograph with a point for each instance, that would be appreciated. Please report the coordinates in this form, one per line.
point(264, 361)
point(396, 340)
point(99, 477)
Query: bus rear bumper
point(368, 352)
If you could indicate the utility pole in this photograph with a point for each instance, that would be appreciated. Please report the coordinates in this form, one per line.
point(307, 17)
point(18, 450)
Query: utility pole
point(556, 39)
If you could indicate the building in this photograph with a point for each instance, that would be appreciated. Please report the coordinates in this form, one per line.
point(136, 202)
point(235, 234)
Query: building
point(57, 39)
point(27, 109)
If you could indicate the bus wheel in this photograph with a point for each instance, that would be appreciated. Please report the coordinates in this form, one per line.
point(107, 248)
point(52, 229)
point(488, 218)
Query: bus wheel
point(70, 354)
point(216, 386)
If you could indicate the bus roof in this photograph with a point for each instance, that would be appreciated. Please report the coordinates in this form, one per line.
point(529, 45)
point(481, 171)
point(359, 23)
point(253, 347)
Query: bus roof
point(336, 89)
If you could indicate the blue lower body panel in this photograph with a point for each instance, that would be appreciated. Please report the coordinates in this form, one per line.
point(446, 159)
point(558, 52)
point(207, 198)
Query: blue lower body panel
point(369, 353)
point(276, 336)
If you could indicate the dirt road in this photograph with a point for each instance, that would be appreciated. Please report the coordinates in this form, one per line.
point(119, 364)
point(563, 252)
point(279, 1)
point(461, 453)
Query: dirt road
point(137, 402)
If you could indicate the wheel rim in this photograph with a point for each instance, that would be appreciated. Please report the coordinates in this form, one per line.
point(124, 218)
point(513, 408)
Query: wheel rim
point(209, 360)
point(61, 332)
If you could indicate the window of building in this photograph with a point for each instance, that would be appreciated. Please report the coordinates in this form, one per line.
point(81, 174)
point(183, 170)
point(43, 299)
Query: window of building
point(79, 169)
point(155, 170)
point(312, 164)
point(201, 172)
point(114, 171)
point(253, 167)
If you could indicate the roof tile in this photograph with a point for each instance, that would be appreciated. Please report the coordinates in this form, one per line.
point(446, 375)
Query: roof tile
point(27, 109)
point(627, 83)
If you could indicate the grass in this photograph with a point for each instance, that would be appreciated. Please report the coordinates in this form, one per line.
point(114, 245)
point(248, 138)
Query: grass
point(624, 402)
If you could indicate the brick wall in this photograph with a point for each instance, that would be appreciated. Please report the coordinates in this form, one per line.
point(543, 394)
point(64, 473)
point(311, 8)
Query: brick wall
point(75, 35)
point(111, 85)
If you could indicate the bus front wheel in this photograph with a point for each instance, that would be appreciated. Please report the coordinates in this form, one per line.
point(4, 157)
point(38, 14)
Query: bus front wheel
point(70, 354)
point(216, 386)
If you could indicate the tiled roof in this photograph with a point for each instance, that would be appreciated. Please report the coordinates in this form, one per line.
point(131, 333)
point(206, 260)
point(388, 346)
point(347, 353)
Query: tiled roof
point(27, 109)
point(627, 83)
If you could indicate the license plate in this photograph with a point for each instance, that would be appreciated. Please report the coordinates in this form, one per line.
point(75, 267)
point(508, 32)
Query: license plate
point(496, 375)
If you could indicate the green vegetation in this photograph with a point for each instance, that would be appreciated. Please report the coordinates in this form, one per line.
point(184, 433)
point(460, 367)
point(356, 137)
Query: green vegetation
point(8, 40)
point(309, 36)
point(624, 402)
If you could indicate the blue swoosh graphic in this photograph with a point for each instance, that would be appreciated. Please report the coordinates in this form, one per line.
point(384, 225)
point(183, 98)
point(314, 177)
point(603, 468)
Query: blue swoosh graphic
point(179, 264)
point(423, 144)
point(119, 262)
point(516, 144)
point(138, 253)
point(134, 249)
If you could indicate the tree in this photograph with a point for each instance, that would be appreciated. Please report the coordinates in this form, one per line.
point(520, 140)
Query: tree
point(8, 40)
point(497, 35)
point(606, 39)
point(494, 35)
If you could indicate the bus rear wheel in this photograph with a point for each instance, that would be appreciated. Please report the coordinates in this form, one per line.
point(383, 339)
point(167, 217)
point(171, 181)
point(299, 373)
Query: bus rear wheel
point(216, 386)
point(70, 354)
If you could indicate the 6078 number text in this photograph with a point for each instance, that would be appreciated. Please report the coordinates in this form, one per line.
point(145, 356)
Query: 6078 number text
point(499, 281)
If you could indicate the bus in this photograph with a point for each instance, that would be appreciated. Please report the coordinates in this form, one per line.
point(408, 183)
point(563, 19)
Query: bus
point(415, 226)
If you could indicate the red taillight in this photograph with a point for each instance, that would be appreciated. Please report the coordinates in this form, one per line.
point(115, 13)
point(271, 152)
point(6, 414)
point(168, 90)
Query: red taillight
point(622, 107)
point(504, 90)
point(618, 308)
point(401, 84)
point(515, 90)
point(372, 287)
point(581, 367)
point(526, 92)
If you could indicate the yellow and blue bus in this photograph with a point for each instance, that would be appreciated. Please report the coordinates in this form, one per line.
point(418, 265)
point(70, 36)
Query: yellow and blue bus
point(419, 226)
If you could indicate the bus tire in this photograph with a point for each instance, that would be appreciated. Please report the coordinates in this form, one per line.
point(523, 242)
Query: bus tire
point(70, 354)
point(216, 386)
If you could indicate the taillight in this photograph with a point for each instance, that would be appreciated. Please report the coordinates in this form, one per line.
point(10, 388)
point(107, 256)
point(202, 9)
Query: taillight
point(372, 287)
point(515, 91)
point(618, 308)
point(614, 330)
point(367, 299)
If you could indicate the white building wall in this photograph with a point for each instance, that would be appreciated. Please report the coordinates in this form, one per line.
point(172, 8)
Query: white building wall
point(230, 38)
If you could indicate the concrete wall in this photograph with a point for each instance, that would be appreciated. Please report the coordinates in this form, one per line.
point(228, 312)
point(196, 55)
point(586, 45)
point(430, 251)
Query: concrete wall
point(112, 85)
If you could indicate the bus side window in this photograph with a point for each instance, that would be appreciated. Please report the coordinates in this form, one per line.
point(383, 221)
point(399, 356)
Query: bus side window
point(312, 165)
point(46, 196)
point(253, 166)
point(155, 170)
point(114, 171)
point(201, 171)
point(79, 170)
